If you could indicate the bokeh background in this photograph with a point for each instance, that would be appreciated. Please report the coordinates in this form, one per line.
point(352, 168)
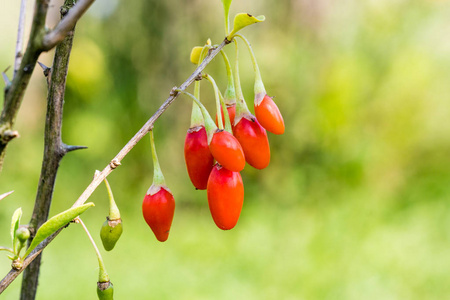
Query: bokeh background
point(355, 202)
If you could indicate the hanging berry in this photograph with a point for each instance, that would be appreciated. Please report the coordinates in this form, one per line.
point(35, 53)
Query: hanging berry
point(247, 130)
point(225, 196)
point(158, 206)
point(112, 228)
point(224, 147)
point(198, 157)
point(266, 111)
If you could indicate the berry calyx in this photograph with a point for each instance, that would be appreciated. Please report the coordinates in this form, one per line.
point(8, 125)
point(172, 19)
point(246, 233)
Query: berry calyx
point(253, 139)
point(227, 150)
point(225, 196)
point(197, 155)
point(269, 115)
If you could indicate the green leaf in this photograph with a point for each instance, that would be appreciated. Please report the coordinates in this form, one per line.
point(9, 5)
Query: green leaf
point(242, 20)
point(15, 220)
point(55, 223)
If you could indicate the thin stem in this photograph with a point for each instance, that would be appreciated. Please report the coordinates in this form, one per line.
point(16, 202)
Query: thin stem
point(259, 88)
point(114, 213)
point(230, 92)
point(20, 31)
point(158, 177)
point(216, 95)
point(241, 105)
point(7, 249)
point(253, 57)
point(103, 275)
point(226, 115)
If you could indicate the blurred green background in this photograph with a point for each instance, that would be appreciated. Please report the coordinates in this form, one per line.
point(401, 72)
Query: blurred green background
point(355, 202)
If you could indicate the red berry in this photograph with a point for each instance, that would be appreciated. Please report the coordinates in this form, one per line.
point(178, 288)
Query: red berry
point(158, 209)
point(253, 139)
point(225, 196)
point(227, 151)
point(199, 160)
point(231, 113)
point(269, 115)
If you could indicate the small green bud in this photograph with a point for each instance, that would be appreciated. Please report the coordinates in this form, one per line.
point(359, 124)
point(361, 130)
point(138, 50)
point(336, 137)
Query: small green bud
point(22, 234)
point(110, 233)
point(105, 290)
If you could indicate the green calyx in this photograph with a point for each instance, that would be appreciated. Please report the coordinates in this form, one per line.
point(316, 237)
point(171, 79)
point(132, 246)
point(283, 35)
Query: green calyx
point(243, 20)
point(114, 213)
point(241, 105)
point(105, 290)
point(210, 127)
point(220, 105)
point(196, 115)
point(110, 233)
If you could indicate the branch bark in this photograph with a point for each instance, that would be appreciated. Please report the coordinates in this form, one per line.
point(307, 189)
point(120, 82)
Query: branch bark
point(115, 162)
point(19, 43)
point(54, 151)
point(40, 40)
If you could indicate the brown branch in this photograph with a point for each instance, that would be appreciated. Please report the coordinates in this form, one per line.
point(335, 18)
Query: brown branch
point(54, 151)
point(39, 41)
point(15, 91)
point(65, 25)
point(19, 43)
point(115, 162)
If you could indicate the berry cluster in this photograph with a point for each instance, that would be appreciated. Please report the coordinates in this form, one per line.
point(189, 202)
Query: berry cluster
point(216, 152)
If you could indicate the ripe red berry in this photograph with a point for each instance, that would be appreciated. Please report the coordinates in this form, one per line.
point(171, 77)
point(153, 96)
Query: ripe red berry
point(199, 160)
point(253, 139)
point(269, 115)
point(158, 208)
point(227, 151)
point(231, 112)
point(225, 196)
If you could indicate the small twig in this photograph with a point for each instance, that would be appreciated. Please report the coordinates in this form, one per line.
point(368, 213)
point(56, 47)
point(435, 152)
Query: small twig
point(66, 24)
point(20, 31)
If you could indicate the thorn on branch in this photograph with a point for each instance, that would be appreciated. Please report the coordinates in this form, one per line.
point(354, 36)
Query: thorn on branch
point(69, 148)
point(46, 69)
point(5, 78)
point(3, 196)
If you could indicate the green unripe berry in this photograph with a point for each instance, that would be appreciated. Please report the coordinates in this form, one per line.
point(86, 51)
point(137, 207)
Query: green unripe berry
point(22, 234)
point(110, 233)
point(105, 290)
